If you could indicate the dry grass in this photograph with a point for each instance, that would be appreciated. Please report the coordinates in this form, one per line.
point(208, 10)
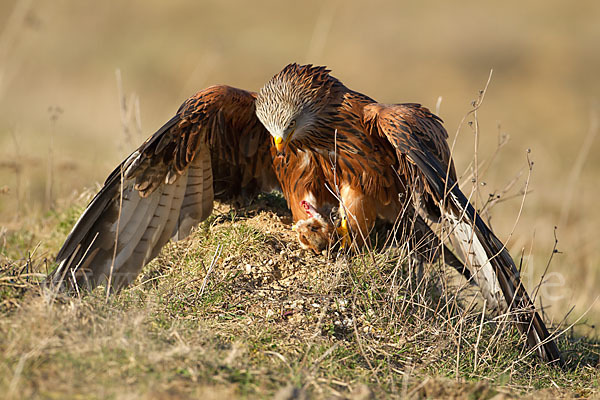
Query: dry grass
point(541, 96)
point(269, 319)
point(186, 332)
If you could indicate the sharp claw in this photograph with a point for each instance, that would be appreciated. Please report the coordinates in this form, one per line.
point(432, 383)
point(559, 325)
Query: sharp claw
point(342, 230)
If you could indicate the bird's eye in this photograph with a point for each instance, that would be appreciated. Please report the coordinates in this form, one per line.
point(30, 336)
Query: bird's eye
point(292, 124)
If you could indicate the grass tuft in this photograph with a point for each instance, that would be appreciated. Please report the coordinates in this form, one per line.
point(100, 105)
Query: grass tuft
point(269, 319)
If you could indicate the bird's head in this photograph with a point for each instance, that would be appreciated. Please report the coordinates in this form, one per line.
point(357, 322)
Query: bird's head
point(289, 104)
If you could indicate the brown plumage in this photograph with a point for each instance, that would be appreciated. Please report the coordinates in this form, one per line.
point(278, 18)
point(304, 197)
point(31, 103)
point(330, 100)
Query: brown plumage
point(327, 147)
point(214, 147)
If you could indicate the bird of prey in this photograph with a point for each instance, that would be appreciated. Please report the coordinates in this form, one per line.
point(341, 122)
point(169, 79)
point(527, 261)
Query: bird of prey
point(329, 149)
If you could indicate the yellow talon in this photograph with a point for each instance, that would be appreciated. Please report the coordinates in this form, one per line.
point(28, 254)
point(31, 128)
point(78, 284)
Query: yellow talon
point(342, 230)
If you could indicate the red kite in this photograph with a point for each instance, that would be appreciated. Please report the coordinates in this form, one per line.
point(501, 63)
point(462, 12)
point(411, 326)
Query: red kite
point(326, 147)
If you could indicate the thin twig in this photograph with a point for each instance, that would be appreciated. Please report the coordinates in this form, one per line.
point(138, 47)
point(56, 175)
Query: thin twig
point(479, 336)
point(216, 256)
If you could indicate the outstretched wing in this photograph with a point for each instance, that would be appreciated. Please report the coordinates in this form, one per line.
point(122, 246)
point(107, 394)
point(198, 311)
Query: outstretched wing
point(214, 147)
point(425, 161)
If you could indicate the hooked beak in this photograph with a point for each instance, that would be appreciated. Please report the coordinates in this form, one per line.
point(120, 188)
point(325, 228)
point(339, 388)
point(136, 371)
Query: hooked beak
point(281, 144)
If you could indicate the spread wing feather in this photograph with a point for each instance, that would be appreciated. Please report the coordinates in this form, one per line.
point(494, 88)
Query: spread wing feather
point(423, 154)
point(167, 186)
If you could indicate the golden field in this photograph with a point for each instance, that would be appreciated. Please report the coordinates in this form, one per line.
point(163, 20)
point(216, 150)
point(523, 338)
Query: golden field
point(62, 119)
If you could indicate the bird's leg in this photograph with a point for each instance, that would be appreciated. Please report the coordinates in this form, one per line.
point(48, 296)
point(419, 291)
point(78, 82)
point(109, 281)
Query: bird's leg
point(358, 213)
point(343, 232)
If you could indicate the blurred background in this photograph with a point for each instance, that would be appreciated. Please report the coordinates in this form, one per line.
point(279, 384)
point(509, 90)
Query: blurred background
point(83, 82)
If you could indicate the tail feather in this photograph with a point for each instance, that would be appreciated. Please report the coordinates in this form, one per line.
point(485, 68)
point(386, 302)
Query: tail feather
point(497, 275)
point(428, 245)
point(477, 259)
